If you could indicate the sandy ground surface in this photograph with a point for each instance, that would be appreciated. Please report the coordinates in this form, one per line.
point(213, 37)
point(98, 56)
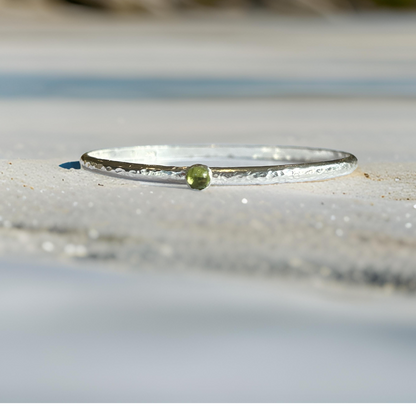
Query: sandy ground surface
point(115, 290)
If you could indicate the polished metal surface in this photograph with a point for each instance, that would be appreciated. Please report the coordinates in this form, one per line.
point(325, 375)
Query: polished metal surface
point(157, 163)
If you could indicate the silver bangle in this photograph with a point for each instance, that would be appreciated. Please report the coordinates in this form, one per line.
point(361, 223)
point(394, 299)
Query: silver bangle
point(274, 164)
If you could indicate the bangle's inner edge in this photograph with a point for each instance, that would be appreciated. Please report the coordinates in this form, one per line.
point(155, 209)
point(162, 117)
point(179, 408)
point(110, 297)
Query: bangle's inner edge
point(218, 155)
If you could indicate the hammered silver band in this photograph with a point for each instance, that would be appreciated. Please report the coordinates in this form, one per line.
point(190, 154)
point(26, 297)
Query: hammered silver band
point(274, 164)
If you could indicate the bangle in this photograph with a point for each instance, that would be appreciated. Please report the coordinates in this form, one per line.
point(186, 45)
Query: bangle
point(274, 164)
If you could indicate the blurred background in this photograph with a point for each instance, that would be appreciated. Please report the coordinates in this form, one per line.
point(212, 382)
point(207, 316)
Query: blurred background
point(175, 6)
point(114, 290)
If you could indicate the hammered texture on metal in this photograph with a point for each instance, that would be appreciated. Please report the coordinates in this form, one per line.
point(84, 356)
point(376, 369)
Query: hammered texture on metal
point(306, 164)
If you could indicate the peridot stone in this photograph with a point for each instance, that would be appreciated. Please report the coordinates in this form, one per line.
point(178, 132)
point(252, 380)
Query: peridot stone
point(198, 177)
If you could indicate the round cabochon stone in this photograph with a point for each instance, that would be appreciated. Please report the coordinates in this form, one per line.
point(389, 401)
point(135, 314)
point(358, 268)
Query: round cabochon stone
point(198, 177)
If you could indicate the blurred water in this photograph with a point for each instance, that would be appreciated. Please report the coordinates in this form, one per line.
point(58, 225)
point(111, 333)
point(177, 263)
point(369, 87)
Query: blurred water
point(41, 86)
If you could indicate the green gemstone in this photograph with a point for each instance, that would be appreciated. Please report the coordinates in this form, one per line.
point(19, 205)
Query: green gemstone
point(198, 177)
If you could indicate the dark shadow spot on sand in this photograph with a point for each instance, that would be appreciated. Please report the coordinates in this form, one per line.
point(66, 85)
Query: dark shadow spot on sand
point(70, 165)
